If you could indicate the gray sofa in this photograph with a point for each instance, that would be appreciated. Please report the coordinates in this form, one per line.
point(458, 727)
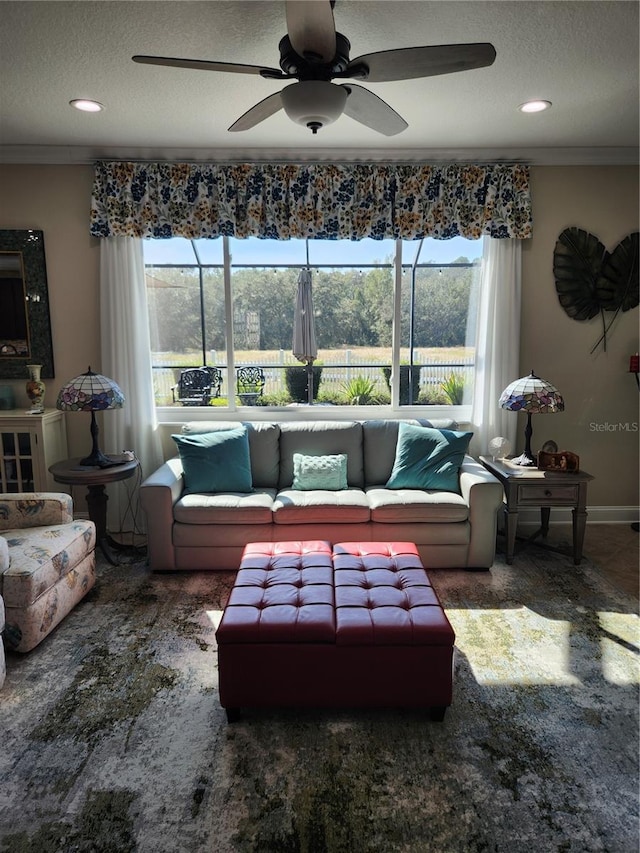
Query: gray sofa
point(209, 530)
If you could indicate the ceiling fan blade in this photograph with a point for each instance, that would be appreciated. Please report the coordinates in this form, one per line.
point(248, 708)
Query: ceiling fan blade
point(205, 65)
point(367, 108)
point(406, 63)
point(311, 29)
point(267, 107)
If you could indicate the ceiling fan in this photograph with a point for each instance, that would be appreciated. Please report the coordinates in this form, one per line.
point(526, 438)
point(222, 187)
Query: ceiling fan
point(313, 53)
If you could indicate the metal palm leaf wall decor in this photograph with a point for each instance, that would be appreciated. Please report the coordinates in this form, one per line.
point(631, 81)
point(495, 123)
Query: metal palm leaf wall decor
point(590, 280)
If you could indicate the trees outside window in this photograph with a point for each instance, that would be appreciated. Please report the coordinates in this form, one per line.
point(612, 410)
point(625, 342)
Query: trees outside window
point(387, 313)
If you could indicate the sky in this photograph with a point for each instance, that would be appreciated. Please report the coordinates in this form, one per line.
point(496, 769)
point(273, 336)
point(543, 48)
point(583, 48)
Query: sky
point(257, 252)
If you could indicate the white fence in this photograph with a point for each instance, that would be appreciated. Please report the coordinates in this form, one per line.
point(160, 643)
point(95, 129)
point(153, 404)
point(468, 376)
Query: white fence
point(344, 366)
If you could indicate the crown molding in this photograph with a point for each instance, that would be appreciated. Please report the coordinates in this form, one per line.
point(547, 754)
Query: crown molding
point(79, 154)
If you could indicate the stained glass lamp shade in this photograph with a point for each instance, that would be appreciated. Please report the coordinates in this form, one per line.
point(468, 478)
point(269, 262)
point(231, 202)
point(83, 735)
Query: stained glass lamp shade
point(534, 396)
point(91, 392)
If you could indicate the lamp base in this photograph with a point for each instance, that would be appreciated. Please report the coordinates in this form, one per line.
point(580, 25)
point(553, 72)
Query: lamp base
point(97, 459)
point(524, 461)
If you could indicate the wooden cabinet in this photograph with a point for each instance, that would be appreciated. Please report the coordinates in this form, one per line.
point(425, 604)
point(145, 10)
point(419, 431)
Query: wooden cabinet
point(29, 445)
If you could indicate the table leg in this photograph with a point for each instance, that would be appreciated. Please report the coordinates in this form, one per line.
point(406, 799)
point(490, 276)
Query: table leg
point(579, 527)
point(97, 499)
point(545, 513)
point(510, 525)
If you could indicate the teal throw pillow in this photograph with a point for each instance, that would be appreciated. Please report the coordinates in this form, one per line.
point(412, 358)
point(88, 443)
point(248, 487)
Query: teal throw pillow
point(216, 461)
point(428, 458)
point(320, 472)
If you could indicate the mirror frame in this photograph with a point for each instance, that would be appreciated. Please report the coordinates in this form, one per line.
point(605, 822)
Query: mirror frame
point(30, 244)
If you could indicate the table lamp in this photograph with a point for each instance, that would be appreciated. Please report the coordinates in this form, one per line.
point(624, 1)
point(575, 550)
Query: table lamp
point(533, 396)
point(92, 392)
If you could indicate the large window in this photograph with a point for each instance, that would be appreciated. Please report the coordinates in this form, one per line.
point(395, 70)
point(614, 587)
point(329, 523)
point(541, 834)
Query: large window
point(394, 321)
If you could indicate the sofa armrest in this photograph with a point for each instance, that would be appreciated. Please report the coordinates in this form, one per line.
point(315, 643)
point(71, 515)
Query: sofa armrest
point(158, 493)
point(483, 494)
point(35, 509)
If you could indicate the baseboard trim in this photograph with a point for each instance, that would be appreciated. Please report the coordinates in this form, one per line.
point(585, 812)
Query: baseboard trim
point(595, 515)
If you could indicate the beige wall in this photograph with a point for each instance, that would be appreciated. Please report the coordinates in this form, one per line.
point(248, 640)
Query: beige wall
point(598, 389)
point(56, 200)
point(599, 392)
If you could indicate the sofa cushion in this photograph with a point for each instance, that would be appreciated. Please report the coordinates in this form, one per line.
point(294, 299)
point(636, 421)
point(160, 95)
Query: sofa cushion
point(321, 438)
point(428, 458)
point(346, 506)
point(319, 472)
point(379, 440)
point(226, 508)
point(264, 447)
point(40, 556)
point(215, 461)
point(407, 506)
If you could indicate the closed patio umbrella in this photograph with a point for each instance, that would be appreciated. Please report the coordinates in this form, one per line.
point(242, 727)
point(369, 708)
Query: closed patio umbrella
point(305, 348)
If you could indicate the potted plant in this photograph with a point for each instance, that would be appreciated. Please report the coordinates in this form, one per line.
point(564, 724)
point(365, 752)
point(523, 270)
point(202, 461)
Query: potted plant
point(405, 370)
point(296, 381)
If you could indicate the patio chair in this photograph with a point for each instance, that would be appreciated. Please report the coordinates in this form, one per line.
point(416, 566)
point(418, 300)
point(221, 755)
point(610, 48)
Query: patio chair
point(249, 384)
point(197, 386)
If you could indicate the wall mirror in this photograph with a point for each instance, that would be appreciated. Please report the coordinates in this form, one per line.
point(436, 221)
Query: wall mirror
point(25, 325)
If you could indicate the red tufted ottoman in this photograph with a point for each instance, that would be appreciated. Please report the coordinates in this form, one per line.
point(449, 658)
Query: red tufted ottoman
point(311, 626)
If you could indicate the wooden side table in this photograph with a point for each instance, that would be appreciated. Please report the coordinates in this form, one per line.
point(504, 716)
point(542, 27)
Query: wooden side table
point(71, 472)
point(527, 487)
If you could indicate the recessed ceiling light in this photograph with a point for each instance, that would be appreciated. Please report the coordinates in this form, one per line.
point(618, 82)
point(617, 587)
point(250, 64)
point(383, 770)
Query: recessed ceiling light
point(86, 106)
point(534, 106)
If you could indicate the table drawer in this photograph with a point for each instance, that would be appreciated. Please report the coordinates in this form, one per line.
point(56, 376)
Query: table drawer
point(547, 494)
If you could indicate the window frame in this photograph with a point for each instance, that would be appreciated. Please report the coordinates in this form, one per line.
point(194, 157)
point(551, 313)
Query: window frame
point(233, 412)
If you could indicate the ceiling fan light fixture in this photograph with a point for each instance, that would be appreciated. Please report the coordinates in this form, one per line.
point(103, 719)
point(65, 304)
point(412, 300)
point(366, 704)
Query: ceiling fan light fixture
point(535, 106)
point(314, 103)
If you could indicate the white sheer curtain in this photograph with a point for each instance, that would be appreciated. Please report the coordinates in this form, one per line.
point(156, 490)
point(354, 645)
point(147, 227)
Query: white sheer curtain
point(126, 358)
point(497, 342)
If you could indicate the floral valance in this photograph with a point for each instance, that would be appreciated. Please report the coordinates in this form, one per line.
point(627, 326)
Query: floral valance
point(318, 201)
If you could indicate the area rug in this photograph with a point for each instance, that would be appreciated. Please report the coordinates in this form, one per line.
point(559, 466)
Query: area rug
point(113, 739)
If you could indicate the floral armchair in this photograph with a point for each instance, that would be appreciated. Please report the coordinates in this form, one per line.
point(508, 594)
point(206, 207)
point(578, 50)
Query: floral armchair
point(47, 564)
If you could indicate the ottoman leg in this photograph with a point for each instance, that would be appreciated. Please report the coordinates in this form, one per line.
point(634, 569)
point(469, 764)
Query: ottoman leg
point(233, 715)
point(436, 713)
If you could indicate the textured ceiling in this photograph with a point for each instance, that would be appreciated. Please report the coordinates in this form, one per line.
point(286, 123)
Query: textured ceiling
point(582, 56)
